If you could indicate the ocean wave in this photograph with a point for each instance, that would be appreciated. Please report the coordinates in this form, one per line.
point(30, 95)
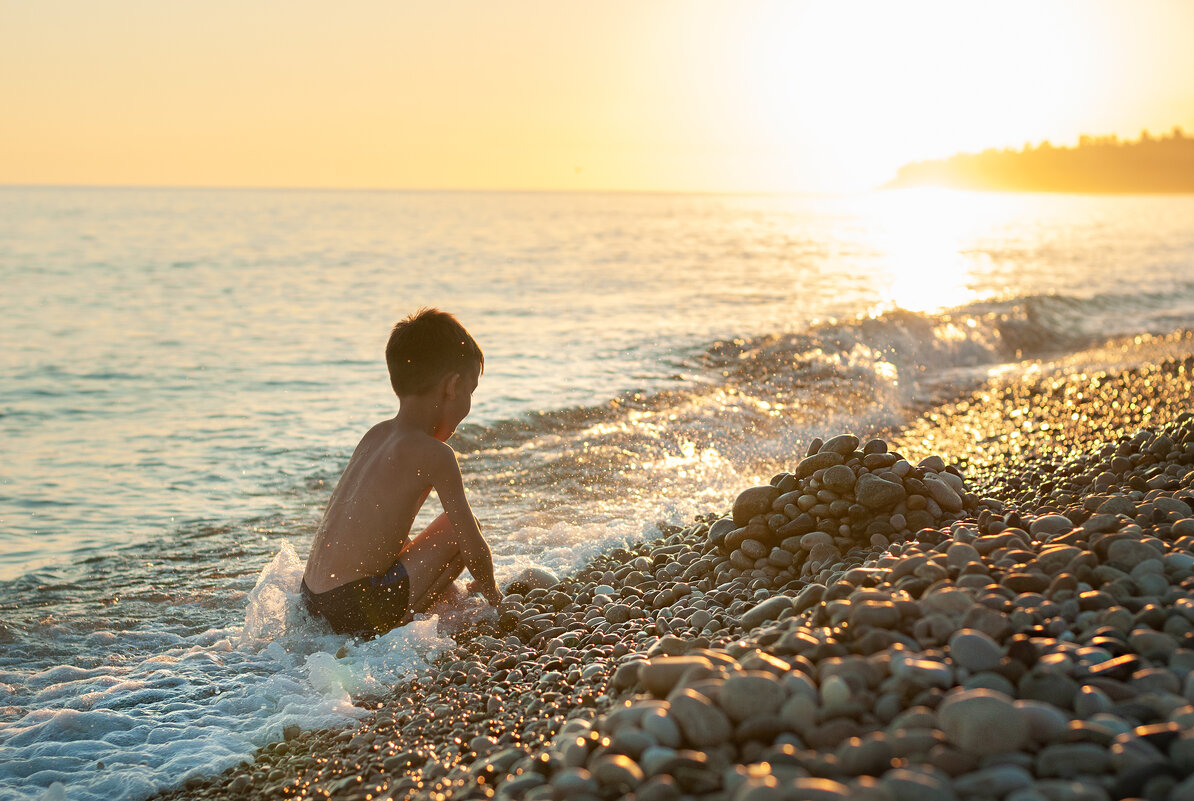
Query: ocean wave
point(892, 347)
point(183, 706)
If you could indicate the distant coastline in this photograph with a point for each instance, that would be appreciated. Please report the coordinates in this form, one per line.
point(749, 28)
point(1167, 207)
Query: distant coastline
point(1106, 164)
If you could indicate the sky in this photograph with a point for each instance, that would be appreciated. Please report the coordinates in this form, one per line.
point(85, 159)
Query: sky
point(640, 95)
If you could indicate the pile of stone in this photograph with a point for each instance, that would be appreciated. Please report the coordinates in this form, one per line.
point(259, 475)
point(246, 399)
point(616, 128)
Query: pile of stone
point(1015, 656)
point(837, 498)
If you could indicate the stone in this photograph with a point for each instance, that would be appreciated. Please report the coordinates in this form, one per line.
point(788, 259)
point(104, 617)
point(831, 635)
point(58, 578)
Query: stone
point(659, 724)
point(657, 788)
point(1117, 505)
point(1046, 722)
point(932, 463)
point(754, 549)
point(947, 601)
point(616, 770)
point(618, 613)
point(818, 461)
point(982, 722)
point(1172, 506)
point(764, 611)
point(915, 785)
point(924, 672)
point(720, 528)
point(843, 445)
point(876, 614)
point(661, 674)
point(974, 650)
point(1184, 791)
point(1066, 760)
point(877, 493)
point(943, 494)
point(753, 501)
point(961, 554)
point(1066, 790)
point(1053, 688)
point(751, 695)
point(839, 479)
point(1049, 525)
point(800, 712)
point(994, 624)
point(814, 789)
point(626, 675)
point(701, 723)
point(995, 781)
point(1052, 560)
point(574, 780)
point(759, 788)
point(656, 758)
point(814, 538)
point(869, 754)
point(532, 578)
point(1130, 552)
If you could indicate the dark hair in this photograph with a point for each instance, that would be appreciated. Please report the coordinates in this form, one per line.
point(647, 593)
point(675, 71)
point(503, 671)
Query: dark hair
point(425, 347)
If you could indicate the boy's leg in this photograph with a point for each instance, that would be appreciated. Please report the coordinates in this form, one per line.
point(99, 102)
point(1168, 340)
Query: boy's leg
point(432, 561)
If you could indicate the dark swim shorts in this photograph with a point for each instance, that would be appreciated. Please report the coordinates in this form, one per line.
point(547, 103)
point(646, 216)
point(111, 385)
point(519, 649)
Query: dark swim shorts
point(365, 607)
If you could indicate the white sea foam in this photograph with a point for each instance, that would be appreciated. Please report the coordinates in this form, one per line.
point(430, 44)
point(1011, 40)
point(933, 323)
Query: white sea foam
point(199, 705)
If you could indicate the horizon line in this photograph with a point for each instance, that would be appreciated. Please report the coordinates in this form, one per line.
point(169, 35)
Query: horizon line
point(441, 190)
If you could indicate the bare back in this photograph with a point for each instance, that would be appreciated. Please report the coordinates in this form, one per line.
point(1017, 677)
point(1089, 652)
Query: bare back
point(368, 519)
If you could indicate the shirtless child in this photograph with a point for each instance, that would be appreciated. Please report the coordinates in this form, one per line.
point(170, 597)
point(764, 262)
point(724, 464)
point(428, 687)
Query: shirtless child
point(365, 575)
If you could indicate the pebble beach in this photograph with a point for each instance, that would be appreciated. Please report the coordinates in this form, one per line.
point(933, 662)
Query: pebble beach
point(995, 601)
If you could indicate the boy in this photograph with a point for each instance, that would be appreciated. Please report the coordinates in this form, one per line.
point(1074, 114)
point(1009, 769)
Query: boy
point(365, 575)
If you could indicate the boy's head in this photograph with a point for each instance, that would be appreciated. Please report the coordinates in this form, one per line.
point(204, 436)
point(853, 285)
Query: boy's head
point(427, 346)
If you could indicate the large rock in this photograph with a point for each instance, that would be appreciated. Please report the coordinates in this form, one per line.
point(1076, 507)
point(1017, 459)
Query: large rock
point(700, 721)
point(983, 722)
point(839, 479)
point(764, 611)
point(1130, 553)
point(818, 461)
point(1047, 525)
point(661, 674)
point(754, 501)
point(532, 578)
point(1117, 505)
point(842, 444)
point(750, 695)
point(974, 650)
point(943, 493)
point(878, 493)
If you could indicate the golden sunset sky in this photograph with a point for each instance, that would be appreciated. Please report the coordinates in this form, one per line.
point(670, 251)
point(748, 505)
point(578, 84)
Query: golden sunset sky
point(750, 95)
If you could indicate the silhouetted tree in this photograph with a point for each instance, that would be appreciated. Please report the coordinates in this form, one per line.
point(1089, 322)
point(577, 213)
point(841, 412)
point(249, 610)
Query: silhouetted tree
point(1097, 164)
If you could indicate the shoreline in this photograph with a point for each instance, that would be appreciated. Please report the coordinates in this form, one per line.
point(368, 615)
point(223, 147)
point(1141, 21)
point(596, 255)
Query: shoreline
point(676, 626)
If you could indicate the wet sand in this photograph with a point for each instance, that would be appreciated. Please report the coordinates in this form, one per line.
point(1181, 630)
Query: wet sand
point(1035, 641)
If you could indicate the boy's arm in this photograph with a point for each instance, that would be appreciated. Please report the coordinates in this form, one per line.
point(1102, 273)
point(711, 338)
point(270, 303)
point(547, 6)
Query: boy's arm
point(473, 549)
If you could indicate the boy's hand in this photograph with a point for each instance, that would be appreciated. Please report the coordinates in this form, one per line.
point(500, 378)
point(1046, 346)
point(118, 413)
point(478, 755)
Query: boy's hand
point(492, 596)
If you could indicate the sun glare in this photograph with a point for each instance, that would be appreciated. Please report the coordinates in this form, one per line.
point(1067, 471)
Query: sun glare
point(876, 85)
point(921, 237)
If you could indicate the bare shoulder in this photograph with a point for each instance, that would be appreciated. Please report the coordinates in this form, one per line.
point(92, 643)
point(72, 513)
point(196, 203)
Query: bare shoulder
point(420, 449)
point(440, 456)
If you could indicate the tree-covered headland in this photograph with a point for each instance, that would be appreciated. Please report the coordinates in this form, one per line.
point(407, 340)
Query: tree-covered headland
point(1097, 164)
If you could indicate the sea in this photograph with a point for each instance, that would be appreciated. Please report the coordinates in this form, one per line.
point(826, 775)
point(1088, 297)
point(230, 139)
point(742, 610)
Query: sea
point(185, 372)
